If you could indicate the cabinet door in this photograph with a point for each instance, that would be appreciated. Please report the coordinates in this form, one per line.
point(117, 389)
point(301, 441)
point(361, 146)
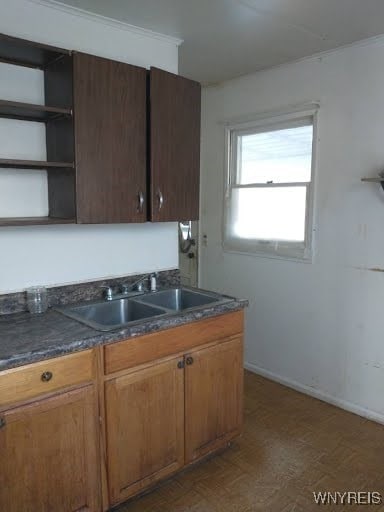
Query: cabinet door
point(213, 397)
point(175, 146)
point(144, 424)
point(49, 455)
point(110, 140)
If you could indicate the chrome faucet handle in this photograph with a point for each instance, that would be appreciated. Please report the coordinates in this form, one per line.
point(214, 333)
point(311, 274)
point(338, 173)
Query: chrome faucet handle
point(125, 288)
point(108, 293)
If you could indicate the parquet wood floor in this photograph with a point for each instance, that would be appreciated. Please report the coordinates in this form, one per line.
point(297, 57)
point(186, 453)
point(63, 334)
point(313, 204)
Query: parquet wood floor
point(292, 445)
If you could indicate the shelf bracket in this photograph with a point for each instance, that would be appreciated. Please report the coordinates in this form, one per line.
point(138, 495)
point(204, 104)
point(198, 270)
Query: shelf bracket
point(379, 179)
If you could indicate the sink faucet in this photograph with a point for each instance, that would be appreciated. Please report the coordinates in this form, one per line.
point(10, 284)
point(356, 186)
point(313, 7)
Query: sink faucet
point(138, 285)
point(108, 293)
point(131, 289)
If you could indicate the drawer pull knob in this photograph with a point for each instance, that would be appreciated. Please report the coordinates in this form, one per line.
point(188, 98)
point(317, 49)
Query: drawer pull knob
point(189, 360)
point(46, 376)
point(180, 365)
point(2, 422)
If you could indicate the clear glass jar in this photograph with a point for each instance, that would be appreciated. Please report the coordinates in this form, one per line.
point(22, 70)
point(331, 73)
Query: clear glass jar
point(37, 299)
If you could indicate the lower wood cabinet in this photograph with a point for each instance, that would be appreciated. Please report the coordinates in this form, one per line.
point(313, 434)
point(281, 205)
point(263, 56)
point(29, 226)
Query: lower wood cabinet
point(154, 404)
point(164, 415)
point(49, 456)
point(145, 427)
point(213, 397)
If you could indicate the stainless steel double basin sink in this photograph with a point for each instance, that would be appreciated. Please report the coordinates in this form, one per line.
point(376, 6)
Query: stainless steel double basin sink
point(126, 311)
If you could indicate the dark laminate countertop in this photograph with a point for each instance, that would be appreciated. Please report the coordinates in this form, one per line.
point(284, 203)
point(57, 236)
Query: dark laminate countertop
point(26, 338)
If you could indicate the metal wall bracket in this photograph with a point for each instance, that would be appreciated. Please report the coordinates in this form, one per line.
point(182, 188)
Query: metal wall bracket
point(379, 179)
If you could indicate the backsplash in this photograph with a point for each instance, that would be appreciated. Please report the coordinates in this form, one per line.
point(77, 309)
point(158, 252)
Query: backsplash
point(73, 293)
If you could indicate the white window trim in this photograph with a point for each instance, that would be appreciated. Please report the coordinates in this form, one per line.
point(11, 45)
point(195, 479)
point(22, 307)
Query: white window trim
point(286, 251)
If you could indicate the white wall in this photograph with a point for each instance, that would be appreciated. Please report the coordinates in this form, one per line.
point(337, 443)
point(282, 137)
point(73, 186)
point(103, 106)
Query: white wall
point(314, 326)
point(61, 254)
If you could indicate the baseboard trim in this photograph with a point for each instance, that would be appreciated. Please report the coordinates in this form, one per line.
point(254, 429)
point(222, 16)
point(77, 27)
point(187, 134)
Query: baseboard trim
point(316, 393)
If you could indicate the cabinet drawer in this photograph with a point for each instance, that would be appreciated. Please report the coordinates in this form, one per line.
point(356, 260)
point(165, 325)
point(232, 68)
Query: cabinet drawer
point(143, 349)
point(29, 381)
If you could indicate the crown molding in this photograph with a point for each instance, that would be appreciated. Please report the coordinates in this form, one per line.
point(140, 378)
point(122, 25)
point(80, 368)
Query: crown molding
point(362, 43)
point(76, 11)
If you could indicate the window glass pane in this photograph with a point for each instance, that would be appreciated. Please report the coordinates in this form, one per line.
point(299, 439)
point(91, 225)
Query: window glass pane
point(279, 156)
point(268, 213)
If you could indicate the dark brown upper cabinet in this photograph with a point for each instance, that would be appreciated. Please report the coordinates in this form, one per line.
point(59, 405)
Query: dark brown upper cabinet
point(110, 109)
point(123, 143)
point(174, 147)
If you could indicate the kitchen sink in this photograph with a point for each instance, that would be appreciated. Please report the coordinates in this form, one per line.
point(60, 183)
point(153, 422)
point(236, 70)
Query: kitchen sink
point(106, 316)
point(123, 311)
point(178, 299)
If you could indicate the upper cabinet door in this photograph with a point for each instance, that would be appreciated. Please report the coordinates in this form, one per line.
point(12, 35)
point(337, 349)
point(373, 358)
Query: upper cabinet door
point(175, 146)
point(110, 140)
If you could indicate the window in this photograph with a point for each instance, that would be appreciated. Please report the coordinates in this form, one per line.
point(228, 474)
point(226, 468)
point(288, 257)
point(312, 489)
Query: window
point(269, 189)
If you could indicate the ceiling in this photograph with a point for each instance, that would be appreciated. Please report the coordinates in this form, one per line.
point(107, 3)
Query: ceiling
point(227, 38)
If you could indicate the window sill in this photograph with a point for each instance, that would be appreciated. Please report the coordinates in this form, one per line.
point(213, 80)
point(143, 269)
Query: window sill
point(291, 255)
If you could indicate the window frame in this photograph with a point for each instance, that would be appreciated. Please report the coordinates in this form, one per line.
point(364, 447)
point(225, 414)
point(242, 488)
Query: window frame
point(276, 249)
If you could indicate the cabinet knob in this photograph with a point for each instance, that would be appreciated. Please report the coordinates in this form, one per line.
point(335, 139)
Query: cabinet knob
point(180, 365)
point(161, 199)
point(2, 422)
point(140, 196)
point(46, 376)
point(189, 360)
